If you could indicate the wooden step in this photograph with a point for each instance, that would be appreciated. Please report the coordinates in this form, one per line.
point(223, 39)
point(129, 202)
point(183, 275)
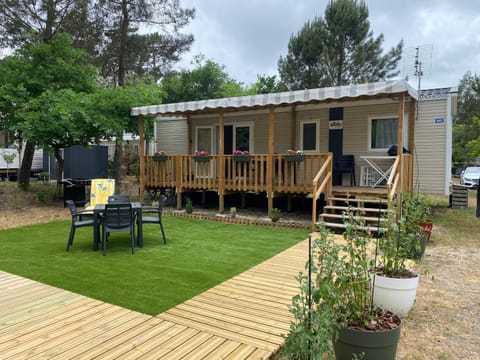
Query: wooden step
point(359, 200)
point(331, 225)
point(347, 208)
point(356, 218)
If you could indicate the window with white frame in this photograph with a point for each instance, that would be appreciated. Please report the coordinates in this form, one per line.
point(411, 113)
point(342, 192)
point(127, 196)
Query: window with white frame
point(242, 138)
point(309, 135)
point(382, 133)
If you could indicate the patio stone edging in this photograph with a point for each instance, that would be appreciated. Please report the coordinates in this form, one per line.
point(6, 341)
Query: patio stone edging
point(238, 220)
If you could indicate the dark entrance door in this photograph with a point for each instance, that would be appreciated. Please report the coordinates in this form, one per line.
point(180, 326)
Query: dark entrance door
point(228, 139)
point(335, 142)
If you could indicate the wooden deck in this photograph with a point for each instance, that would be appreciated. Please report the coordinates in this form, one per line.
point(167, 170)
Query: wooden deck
point(242, 318)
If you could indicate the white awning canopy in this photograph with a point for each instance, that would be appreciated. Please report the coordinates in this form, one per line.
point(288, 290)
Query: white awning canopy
point(348, 92)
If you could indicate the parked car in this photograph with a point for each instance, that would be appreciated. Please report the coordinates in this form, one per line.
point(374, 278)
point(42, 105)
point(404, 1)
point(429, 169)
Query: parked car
point(470, 176)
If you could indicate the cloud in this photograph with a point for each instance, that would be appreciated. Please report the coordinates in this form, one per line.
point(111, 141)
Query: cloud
point(249, 36)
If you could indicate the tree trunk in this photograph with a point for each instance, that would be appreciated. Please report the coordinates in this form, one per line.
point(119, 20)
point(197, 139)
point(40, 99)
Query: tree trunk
point(49, 21)
point(60, 163)
point(117, 159)
point(123, 43)
point(26, 167)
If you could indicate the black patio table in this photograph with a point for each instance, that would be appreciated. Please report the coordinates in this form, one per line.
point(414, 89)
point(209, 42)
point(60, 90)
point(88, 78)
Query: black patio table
point(99, 209)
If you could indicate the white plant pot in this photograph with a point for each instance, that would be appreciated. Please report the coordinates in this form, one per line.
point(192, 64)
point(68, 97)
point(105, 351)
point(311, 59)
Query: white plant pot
point(396, 295)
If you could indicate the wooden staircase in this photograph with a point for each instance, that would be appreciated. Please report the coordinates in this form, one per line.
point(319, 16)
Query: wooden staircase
point(372, 211)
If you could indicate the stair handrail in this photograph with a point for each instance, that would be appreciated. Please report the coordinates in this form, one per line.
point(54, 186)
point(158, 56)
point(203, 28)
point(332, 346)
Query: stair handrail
point(325, 172)
point(393, 180)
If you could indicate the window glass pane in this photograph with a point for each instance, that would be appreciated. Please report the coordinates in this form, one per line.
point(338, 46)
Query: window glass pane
point(204, 139)
point(310, 136)
point(242, 138)
point(384, 133)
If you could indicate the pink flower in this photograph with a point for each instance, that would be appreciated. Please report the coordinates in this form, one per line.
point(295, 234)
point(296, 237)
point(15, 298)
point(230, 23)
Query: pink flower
point(241, 152)
point(201, 153)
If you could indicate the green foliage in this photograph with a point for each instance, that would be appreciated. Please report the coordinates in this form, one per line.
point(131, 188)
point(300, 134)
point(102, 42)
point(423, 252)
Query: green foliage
point(339, 293)
point(266, 85)
point(44, 177)
point(315, 315)
point(159, 276)
point(189, 206)
point(337, 50)
point(208, 80)
point(466, 129)
point(404, 235)
point(233, 212)
point(276, 215)
point(125, 51)
point(46, 195)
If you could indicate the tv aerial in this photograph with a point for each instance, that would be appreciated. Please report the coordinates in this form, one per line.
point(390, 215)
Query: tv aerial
point(417, 62)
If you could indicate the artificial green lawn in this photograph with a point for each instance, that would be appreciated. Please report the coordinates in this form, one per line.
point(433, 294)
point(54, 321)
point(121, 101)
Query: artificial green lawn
point(198, 255)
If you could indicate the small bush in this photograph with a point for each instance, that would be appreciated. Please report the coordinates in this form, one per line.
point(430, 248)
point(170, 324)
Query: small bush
point(44, 177)
point(46, 195)
point(276, 215)
point(233, 212)
point(188, 206)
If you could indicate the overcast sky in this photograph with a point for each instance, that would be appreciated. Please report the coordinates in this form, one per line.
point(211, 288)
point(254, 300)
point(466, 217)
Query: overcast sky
point(249, 36)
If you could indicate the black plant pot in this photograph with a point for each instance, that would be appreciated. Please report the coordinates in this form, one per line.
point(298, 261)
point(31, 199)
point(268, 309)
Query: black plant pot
point(375, 345)
point(417, 253)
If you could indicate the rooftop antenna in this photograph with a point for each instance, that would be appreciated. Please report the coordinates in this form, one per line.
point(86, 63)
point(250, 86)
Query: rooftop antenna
point(417, 62)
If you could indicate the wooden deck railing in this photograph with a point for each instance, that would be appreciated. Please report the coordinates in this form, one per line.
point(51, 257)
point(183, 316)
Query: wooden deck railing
point(401, 176)
point(322, 183)
point(183, 172)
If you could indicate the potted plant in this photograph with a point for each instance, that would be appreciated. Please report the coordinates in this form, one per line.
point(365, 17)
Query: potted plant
point(241, 155)
point(334, 312)
point(293, 155)
point(415, 210)
point(201, 156)
point(159, 155)
point(395, 284)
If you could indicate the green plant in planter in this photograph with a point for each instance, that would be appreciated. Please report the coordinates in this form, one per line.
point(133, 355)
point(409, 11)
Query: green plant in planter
point(405, 237)
point(338, 296)
point(316, 308)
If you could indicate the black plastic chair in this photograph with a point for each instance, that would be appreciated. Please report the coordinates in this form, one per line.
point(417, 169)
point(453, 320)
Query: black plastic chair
point(157, 219)
point(346, 164)
point(120, 198)
point(77, 220)
point(117, 218)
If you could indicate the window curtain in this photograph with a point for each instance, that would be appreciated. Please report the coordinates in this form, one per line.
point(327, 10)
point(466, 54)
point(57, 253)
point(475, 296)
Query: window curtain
point(384, 133)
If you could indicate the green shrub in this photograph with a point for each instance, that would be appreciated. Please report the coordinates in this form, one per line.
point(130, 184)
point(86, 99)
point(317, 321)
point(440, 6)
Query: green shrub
point(276, 215)
point(188, 206)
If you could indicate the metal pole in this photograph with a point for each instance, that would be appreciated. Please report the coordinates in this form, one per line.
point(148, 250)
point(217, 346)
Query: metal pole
point(478, 201)
point(309, 289)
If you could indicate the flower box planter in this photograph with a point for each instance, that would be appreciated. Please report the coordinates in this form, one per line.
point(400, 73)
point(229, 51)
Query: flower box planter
point(201, 158)
point(241, 158)
point(159, 157)
point(294, 158)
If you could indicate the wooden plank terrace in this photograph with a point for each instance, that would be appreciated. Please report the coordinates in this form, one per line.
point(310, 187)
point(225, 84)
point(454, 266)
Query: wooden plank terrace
point(241, 318)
